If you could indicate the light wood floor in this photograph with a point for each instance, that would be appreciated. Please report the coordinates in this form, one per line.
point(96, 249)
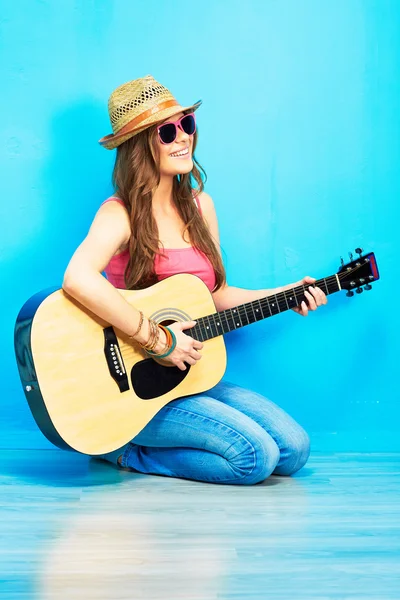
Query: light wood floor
point(75, 528)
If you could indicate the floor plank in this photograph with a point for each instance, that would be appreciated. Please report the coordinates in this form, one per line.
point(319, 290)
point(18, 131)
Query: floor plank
point(78, 528)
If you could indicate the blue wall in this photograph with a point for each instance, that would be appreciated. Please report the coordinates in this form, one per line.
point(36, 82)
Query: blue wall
point(299, 136)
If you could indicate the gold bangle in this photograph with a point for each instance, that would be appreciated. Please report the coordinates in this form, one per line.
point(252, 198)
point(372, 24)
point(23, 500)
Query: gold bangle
point(157, 331)
point(132, 337)
point(168, 342)
point(152, 336)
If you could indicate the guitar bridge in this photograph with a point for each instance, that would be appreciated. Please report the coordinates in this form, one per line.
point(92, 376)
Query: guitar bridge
point(114, 359)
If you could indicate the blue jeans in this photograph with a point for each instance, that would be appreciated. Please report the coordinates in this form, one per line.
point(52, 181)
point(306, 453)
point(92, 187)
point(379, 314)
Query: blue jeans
point(226, 435)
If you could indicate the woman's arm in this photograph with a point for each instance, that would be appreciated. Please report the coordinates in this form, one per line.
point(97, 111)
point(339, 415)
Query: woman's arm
point(83, 279)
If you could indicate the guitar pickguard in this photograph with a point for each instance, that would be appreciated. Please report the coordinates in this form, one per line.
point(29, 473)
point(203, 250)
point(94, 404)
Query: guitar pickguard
point(151, 380)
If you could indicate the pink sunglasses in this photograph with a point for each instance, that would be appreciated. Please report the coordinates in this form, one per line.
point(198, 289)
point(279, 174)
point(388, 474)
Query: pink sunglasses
point(167, 132)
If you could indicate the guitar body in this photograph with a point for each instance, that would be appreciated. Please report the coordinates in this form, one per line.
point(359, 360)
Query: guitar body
point(90, 389)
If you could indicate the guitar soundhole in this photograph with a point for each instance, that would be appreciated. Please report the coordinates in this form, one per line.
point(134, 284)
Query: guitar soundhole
point(151, 380)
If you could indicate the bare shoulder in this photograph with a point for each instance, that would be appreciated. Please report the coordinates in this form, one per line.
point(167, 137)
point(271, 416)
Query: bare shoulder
point(113, 204)
point(114, 208)
point(113, 217)
point(210, 215)
point(206, 201)
point(208, 209)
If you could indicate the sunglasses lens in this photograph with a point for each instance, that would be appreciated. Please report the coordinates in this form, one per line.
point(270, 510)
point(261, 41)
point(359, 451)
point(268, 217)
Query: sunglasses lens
point(188, 124)
point(167, 133)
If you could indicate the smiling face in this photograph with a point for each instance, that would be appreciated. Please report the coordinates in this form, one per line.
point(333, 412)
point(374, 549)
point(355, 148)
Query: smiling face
point(176, 165)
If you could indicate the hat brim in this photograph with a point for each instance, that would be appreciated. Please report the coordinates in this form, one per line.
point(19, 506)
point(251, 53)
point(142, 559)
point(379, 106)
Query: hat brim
point(113, 140)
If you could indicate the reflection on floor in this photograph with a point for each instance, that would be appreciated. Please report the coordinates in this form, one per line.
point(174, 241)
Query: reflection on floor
point(73, 527)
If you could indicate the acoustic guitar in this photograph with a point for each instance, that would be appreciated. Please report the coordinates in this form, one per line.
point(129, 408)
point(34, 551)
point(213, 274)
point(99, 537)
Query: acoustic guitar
point(90, 389)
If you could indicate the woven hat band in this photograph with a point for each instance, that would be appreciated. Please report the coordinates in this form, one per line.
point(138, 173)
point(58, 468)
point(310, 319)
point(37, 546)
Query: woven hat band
point(143, 116)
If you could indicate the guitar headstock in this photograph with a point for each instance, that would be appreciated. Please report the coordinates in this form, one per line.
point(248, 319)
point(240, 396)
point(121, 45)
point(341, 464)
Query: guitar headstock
point(358, 274)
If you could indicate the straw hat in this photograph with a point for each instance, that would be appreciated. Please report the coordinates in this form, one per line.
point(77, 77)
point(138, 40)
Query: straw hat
point(136, 105)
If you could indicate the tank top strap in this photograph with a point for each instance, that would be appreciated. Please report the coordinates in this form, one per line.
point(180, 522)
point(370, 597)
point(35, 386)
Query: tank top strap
point(196, 200)
point(113, 198)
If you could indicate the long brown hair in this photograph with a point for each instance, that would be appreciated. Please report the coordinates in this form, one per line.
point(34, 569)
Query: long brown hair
point(135, 177)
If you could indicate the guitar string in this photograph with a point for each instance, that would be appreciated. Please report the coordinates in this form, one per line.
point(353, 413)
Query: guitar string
point(241, 310)
point(265, 304)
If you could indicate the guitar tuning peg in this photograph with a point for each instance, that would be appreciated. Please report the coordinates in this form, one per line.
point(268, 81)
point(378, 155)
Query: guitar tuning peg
point(368, 286)
point(351, 255)
point(359, 290)
point(359, 251)
point(350, 294)
point(342, 261)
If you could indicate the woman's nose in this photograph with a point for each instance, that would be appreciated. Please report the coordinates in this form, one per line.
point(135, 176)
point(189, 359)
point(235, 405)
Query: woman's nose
point(182, 135)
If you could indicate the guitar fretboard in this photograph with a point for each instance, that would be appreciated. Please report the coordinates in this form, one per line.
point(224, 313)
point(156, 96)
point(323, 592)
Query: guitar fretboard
point(227, 320)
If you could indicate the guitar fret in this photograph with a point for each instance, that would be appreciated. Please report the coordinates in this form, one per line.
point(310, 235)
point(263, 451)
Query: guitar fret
point(284, 295)
point(209, 326)
point(218, 324)
point(292, 301)
point(334, 285)
point(200, 324)
point(223, 314)
point(201, 330)
point(263, 304)
point(233, 319)
point(237, 316)
point(214, 326)
point(273, 306)
point(250, 313)
point(195, 332)
point(282, 306)
point(261, 308)
point(242, 314)
point(254, 314)
point(232, 324)
point(243, 310)
point(278, 303)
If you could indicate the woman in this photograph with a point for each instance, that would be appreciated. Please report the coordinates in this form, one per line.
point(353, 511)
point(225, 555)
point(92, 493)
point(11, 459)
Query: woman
point(156, 225)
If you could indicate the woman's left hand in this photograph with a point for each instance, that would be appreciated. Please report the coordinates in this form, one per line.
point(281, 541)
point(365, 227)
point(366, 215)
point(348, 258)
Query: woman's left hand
point(314, 295)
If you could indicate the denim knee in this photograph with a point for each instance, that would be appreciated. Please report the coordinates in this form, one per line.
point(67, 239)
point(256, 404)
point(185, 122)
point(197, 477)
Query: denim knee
point(262, 456)
point(295, 453)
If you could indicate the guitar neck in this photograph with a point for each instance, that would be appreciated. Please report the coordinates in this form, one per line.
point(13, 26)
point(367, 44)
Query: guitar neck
point(227, 320)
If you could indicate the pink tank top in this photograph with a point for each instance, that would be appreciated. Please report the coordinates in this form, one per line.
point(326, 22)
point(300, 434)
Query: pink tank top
point(174, 261)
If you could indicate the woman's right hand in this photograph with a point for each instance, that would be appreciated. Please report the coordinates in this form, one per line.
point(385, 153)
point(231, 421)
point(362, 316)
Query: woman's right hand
point(186, 349)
